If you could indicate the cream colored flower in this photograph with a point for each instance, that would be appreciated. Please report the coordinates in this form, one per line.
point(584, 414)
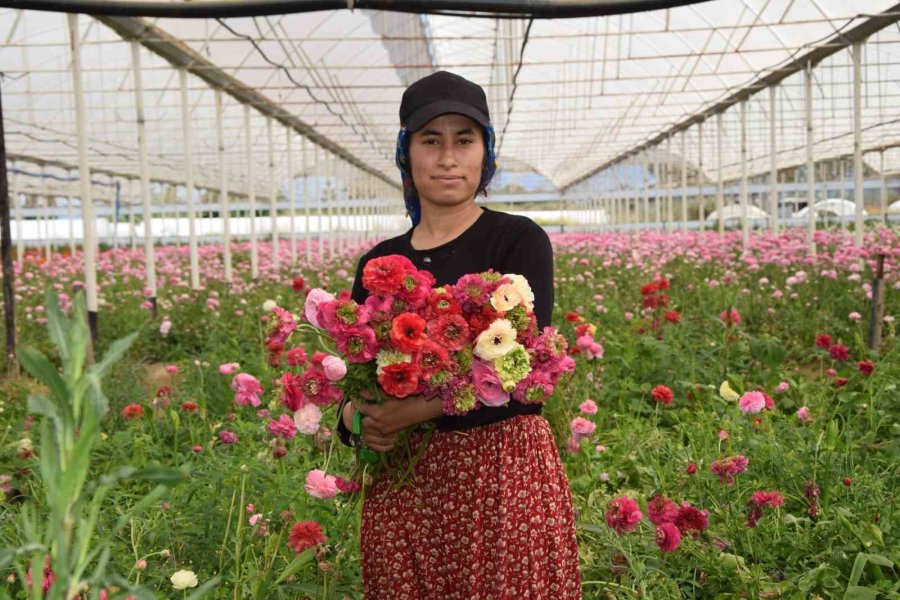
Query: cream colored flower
point(182, 580)
point(506, 297)
point(727, 393)
point(525, 292)
point(496, 340)
point(25, 445)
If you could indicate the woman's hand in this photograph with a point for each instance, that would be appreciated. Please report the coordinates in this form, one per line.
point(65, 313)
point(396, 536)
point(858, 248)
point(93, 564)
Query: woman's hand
point(382, 423)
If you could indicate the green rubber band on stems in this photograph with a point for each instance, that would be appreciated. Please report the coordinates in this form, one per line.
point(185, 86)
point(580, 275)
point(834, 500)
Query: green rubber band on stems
point(365, 455)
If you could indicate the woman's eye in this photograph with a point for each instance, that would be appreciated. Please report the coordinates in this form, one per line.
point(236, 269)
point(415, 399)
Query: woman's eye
point(465, 141)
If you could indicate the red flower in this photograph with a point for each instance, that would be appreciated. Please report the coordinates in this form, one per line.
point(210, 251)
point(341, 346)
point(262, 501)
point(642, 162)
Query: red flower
point(572, 317)
point(189, 406)
point(673, 316)
point(648, 289)
point(298, 284)
point(431, 358)
point(132, 411)
point(164, 392)
point(450, 331)
point(839, 352)
point(623, 515)
point(442, 303)
point(305, 535)
point(400, 379)
point(384, 275)
point(691, 469)
point(847, 481)
point(691, 519)
point(408, 332)
point(668, 537)
point(663, 394)
point(866, 367)
point(823, 340)
point(841, 381)
point(296, 357)
point(661, 510)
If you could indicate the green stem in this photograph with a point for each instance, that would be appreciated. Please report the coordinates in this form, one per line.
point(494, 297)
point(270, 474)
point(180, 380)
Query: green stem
point(237, 540)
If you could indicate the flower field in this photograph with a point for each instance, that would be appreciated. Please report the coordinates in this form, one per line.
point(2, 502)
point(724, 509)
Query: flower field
point(726, 432)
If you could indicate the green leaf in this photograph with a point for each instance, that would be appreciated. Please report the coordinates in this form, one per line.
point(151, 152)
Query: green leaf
point(76, 471)
point(115, 352)
point(56, 325)
point(878, 559)
point(295, 565)
point(148, 500)
point(858, 565)
point(203, 589)
point(857, 592)
point(43, 370)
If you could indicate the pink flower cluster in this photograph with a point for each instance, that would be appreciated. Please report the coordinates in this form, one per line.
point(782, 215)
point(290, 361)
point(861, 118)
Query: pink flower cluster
point(727, 468)
point(246, 390)
point(671, 520)
point(760, 500)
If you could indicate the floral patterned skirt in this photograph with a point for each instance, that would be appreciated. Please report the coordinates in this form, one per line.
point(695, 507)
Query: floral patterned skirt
point(488, 516)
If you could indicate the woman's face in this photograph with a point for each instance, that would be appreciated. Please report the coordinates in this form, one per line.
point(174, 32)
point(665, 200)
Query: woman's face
point(446, 157)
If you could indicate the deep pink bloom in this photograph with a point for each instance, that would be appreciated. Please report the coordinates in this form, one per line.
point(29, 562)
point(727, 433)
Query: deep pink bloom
point(662, 394)
point(623, 515)
point(839, 352)
point(228, 437)
point(865, 367)
point(668, 537)
point(582, 428)
point(661, 510)
point(727, 468)
point(691, 519)
point(752, 402)
point(732, 317)
point(588, 407)
point(488, 387)
point(296, 357)
point(284, 427)
point(247, 389)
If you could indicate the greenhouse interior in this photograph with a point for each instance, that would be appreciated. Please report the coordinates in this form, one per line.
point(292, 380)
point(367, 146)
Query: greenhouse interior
point(692, 261)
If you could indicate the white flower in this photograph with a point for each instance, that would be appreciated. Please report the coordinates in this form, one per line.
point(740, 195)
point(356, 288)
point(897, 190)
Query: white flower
point(521, 284)
point(24, 445)
point(727, 393)
point(307, 419)
point(182, 580)
point(268, 305)
point(495, 341)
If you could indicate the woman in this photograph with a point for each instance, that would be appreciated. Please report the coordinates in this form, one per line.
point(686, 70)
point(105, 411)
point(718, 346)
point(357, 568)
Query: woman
point(490, 513)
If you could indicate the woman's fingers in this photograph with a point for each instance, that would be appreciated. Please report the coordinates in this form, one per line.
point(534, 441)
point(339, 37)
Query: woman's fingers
point(379, 442)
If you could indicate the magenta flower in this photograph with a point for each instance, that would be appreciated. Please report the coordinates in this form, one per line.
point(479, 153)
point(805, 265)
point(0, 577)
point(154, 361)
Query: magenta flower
point(752, 402)
point(487, 384)
point(668, 537)
point(623, 515)
point(228, 437)
point(247, 390)
point(582, 428)
point(284, 427)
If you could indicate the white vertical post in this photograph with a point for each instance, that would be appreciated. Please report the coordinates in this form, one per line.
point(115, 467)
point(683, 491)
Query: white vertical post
point(330, 201)
point(224, 208)
point(773, 161)
point(659, 191)
point(251, 193)
point(883, 195)
point(720, 163)
point(132, 232)
point(684, 215)
point(292, 194)
point(273, 195)
point(745, 224)
point(858, 192)
point(84, 172)
point(306, 201)
point(143, 166)
point(701, 213)
point(320, 204)
point(670, 210)
point(645, 183)
point(16, 199)
point(810, 162)
point(189, 179)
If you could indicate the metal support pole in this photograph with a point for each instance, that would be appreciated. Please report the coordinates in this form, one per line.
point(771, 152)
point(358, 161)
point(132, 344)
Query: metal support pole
point(720, 163)
point(670, 212)
point(810, 162)
point(645, 184)
point(251, 193)
point(330, 201)
point(144, 168)
point(84, 172)
point(858, 192)
point(224, 208)
point(684, 213)
point(773, 161)
point(20, 235)
point(883, 195)
point(306, 201)
point(745, 222)
point(699, 179)
point(189, 180)
point(9, 276)
point(70, 197)
point(292, 194)
point(320, 204)
point(658, 200)
point(273, 195)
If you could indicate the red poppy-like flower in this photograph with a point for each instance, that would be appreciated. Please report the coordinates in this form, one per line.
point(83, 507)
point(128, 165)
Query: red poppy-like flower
point(291, 391)
point(648, 289)
point(408, 332)
point(132, 411)
point(572, 317)
point(668, 537)
point(441, 303)
point(673, 316)
point(823, 340)
point(384, 275)
point(661, 510)
point(450, 331)
point(431, 358)
point(189, 406)
point(841, 381)
point(663, 394)
point(623, 514)
point(305, 535)
point(400, 379)
point(296, 357)
point(691, 519)
point(866, 367)
point(298, 284)
point(691, 469)
point(839, 352)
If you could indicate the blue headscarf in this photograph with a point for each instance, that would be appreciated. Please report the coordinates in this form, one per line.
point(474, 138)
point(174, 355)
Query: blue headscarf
point(411, 195)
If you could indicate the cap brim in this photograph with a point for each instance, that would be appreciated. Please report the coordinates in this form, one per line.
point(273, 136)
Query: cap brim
point(421, 117)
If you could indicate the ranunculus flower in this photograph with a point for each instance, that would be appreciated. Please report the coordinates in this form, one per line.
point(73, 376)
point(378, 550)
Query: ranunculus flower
point(506, 297)
point(782, 387)
point(307, 419)
point(662, 394)
point(752, 402)
point(182, 580)
point(305, 535)
point(247, 390)
point(228, 437)
point(284, 427)
point(488, 386)
point(803, 415)
point(495, 341)
point(132, 411)
point(320, 485)
point(582, 428)
point(408, 332)
point(399, 379)
point(623, 515)
point(668, 537)
point(661, 510)
point(229, 368)
point(839, 352)
point(335, 368)
point(315, 297)
point(588, 407)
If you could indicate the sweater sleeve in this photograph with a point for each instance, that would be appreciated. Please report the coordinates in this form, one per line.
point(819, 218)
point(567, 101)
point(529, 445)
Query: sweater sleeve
point(531, 255)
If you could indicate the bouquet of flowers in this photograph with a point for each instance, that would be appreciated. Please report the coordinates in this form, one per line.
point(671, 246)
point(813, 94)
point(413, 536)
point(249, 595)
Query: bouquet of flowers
point(472, 344)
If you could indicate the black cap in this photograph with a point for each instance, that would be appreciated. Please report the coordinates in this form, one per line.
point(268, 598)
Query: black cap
point(441, 93)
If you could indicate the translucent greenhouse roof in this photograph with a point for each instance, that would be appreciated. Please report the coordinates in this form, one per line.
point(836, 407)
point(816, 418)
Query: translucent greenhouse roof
point(566, 95)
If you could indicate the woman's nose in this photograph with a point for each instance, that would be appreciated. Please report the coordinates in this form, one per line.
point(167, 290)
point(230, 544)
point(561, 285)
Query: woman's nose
point(448, 156)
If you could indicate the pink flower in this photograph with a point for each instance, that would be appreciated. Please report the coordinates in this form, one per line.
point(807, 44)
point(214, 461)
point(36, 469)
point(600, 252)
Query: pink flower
point(334, 368)
point(229, 368)
point(668, 538)
point(588, 407)
point(247, 390)
point(727, 468)
point(839, 352)
point(623, 515)
point(582, 428)
point(315, 297)
point(803, 415)
point(165, 327)
point(691, 519)
point(488, 387)
point(307, 419)
point(254, 519)
point(320, 485)
point(284, 427)
point(661, 510)
point(346, 486)
point(723, 435)
point(572, 444)
point(782, 387)
point(589, 348)
point(732, 317)
point(855, 316)
point(172, 369)
point(228, 437)
point(752, 402)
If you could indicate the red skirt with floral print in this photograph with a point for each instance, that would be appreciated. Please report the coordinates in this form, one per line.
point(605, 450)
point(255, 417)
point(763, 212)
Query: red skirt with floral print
point(488, 516)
